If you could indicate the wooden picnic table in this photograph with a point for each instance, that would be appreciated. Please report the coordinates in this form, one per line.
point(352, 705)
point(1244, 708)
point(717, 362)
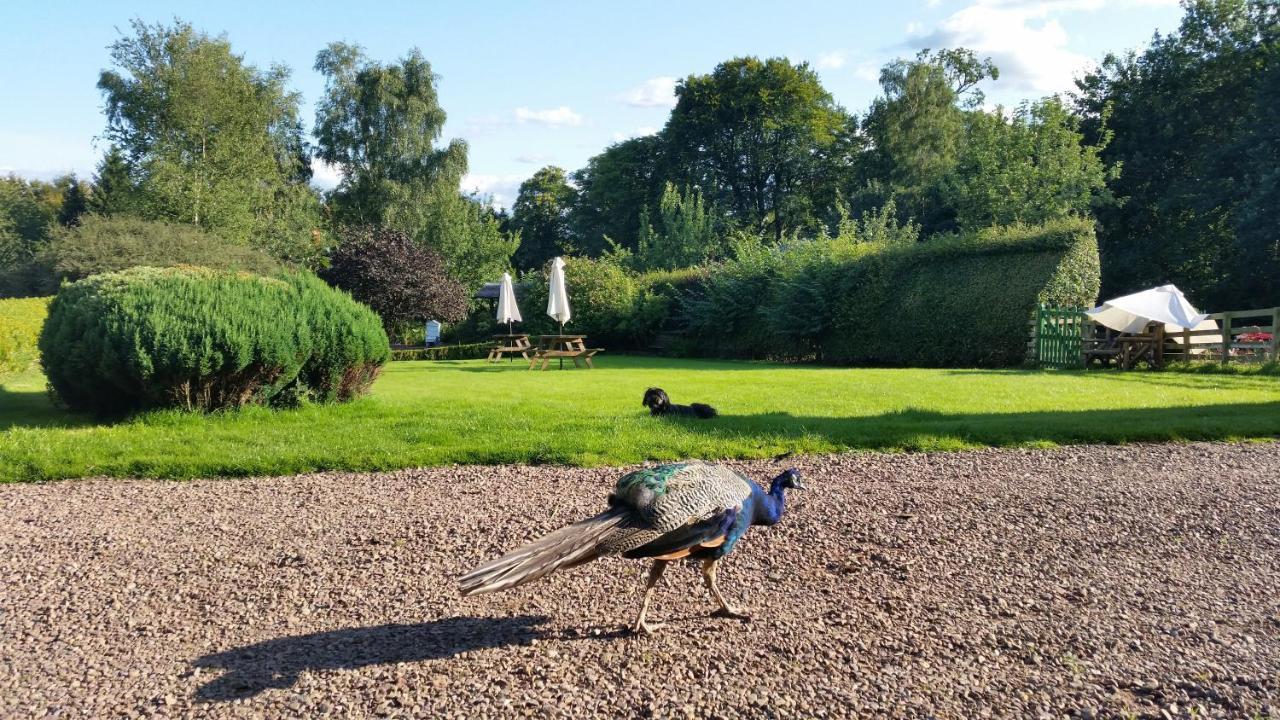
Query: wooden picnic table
point(563, 346)
point(510, 343)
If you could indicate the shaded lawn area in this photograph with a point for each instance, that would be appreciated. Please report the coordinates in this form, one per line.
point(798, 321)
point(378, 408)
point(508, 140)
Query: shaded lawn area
point(430, 413)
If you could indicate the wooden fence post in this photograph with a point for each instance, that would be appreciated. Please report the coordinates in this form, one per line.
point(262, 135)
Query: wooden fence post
point(1226, 338)
point(1275, 334)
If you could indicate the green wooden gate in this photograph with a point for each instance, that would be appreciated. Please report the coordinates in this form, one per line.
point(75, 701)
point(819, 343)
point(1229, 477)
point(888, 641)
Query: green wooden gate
point(1059, 337)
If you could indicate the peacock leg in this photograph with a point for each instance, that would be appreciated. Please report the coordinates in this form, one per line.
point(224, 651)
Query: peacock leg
point(726, 610)
point(655, 573)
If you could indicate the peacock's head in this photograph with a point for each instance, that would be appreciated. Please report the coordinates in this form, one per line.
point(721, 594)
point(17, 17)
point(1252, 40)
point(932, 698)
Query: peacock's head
point(789, 480)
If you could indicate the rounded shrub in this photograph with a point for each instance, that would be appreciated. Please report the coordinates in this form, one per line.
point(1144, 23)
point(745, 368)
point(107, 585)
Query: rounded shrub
point(201, 339)
point(603, 297)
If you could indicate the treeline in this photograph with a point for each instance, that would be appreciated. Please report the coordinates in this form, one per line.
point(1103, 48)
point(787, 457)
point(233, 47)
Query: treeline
point(1172, 151)
point(209, 164)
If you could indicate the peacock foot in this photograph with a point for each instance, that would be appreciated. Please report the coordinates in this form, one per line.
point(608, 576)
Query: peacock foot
point(730, 612)
point(645, 628)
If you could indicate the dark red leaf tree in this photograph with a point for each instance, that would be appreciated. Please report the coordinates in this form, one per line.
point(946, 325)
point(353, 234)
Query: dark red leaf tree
point(402, 281)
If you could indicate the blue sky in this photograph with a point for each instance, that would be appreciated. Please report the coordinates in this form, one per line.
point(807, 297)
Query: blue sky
point(531, 84)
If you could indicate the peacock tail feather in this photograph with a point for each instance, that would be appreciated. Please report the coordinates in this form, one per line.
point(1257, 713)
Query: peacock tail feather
point(689, 509)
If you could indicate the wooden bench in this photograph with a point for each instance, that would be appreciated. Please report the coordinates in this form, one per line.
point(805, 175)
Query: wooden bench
point(510, 344)
point(578, 356)
point(495, 353)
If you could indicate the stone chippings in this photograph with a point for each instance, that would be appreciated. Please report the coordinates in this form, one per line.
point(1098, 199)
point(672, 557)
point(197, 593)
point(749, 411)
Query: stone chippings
point(1092, 582)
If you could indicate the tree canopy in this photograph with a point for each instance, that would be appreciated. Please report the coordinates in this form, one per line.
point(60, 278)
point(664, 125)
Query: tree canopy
point(207, 138)
point(379, 125)
point(749, 135)
point(1191, 121)
point(404, 282)
point(541, 215)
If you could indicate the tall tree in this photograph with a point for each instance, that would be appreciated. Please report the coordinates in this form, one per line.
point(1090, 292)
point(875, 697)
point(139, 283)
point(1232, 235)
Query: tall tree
point(541, 214)
point(915, 130)
point(379, 125)
point(28, 210)
point(1183, 113)
point(684, 233)
point(1257, 249)
point(209, 139)
point(612, 189)
point(114, 192)
point(75, 202)
point(749, 135)
point(1030, 166)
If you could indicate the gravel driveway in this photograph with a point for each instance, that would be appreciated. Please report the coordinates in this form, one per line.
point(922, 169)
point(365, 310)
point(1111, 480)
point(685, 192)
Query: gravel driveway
point(1138, 581)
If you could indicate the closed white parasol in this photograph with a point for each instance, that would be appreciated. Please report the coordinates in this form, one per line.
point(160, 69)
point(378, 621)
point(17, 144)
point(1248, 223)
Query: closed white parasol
point(558, 297)
point(1165, 304)
point(508, 311)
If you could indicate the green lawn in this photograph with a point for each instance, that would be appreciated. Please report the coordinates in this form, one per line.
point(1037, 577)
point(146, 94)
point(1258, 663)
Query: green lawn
point(424, 413)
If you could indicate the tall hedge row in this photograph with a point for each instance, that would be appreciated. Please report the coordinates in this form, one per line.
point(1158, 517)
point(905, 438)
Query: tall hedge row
point(203, 339)
point(20, 322)
point(957, 302)
point(967, 301)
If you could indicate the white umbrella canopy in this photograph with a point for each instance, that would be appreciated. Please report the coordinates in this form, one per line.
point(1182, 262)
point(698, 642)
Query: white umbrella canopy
point(558, 297)
point(508, 311)
point(1165, 304)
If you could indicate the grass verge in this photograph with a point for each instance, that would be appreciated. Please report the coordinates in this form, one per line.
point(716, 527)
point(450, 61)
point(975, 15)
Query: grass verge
point(432, 413)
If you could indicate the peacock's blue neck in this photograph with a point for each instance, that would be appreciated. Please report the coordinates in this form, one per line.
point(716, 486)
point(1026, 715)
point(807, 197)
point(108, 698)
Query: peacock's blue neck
point(769, 506)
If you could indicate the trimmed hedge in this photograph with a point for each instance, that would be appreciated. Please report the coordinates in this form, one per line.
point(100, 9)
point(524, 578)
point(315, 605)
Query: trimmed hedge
point(962, 301)
point(468, 351)
point(966, 301)
point(20, 323)
point(202, 339)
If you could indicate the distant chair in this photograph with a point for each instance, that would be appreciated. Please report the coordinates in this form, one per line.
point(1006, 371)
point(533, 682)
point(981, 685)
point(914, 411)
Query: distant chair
point(432, 336)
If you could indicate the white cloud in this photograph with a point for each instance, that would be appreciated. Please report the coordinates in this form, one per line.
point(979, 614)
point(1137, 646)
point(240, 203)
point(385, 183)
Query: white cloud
point(654, 92)
point(501, 190)
point(562, 116)
point(1023, 37)
point(533, 158)
point(638, 132)
point(324, 175)
point(833, 60)
point(868, 70)
point(914, 28)
point(483, 125)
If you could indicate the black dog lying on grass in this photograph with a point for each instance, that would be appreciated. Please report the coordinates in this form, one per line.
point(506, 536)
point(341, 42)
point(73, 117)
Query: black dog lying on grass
point(659, 404)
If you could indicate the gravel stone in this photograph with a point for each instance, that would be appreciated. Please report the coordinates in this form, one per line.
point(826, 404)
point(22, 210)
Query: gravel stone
point(1092, 582)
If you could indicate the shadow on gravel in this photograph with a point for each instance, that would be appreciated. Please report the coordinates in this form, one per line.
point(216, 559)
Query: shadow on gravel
point(278, 663)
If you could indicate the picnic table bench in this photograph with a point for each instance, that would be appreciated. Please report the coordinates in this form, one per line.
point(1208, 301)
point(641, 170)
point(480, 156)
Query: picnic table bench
point(563, 346)
point(513, 343)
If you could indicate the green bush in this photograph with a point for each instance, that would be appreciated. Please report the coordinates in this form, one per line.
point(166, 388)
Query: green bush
point(202, 339)
point(20, 323)
point(949, 302)
point(604, 298)
point(106, 244)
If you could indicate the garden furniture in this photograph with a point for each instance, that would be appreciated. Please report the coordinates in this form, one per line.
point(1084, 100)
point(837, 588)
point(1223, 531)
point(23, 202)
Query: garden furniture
point(563, 346)
point(510, 343)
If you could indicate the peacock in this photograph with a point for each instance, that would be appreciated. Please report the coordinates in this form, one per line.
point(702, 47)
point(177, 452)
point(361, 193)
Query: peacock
point(689, 510)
